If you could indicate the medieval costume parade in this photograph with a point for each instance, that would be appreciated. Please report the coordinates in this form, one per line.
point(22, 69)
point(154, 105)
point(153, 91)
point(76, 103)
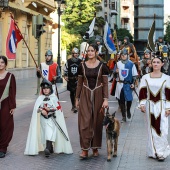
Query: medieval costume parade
point(71, 75)
point(127, 76)
point(47, 130)
point(7, 106)
point(92, 91)
point(154, 96)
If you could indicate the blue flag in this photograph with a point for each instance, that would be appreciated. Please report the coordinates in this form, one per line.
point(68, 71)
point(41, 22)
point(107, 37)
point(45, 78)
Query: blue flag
point(108, 40)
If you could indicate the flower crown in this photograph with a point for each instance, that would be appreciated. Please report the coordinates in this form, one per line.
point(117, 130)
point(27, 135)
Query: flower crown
point(159, 57)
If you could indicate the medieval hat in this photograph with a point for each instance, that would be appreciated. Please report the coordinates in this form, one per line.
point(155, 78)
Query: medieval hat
point(127, 38)
point(46, 84)
point(75, 50)
point(124, 51)
point(49, 53)
point(159, 57)
point(147, 51)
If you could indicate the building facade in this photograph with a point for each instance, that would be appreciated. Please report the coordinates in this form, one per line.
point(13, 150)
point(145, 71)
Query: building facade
point(23, 10)
point(144, 16)
point(109, 11)
point(127, 15)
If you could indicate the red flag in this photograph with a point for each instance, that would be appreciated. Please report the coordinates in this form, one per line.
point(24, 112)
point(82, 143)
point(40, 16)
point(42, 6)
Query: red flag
point(13, 38)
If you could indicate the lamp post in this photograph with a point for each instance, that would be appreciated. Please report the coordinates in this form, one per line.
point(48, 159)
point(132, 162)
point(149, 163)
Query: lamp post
point(58, 4)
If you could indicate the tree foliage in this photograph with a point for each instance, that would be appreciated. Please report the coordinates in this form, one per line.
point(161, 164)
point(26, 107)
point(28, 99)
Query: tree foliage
point(122, 32)
point(77, 17)
point(167, 31)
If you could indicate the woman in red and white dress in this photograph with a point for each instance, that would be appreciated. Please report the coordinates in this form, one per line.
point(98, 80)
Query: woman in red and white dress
point(154, 98)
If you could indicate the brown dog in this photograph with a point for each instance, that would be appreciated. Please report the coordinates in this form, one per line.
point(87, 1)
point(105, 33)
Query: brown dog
point(112, 133)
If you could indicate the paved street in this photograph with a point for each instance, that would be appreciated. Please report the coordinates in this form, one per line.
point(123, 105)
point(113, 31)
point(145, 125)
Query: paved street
point(131, 145)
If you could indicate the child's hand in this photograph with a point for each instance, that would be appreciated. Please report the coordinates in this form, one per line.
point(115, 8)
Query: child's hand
point(44, 112)
point(47, 108)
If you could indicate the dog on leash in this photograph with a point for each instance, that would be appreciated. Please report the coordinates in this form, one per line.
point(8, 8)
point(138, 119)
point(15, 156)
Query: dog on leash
point(112, 133)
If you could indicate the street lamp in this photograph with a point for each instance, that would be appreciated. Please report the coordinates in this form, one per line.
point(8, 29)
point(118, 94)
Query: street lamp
point(4, 3)
point(59, 3)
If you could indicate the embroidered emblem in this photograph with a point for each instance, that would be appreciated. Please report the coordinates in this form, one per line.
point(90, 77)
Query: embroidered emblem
point(74, 70)
point(124, 73)
point(45, 72)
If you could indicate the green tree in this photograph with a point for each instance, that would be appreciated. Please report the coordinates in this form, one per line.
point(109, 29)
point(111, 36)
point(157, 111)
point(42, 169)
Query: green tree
point(167, 31)
point(77, 17)
point(122, 32)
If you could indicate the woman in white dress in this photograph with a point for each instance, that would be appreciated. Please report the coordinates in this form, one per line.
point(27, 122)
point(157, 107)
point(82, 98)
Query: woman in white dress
point(154, 98)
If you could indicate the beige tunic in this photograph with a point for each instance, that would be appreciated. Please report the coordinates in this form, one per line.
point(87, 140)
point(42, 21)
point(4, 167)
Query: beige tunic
point(90, 118)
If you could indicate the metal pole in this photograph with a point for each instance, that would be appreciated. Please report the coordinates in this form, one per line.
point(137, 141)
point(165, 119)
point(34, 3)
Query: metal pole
point(59, 80)
point(39, 61)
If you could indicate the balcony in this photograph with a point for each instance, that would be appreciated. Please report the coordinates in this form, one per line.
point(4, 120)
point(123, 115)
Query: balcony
point(125, 15)
point(125, 4)
point(126, 26)
point(42, 6)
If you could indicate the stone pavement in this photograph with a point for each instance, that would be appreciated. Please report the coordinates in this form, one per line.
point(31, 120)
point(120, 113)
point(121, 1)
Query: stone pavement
point(131, 145)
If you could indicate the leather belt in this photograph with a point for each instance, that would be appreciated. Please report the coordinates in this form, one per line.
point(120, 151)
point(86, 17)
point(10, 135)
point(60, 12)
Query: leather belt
point(72, 78)
point(47, 117)
point(124, 82)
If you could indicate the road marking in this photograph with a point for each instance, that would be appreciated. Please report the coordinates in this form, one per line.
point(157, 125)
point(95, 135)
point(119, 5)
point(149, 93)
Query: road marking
point(63, 101)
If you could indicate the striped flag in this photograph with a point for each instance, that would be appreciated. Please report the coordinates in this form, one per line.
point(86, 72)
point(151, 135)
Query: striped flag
point(108, 40)
point(13, 38)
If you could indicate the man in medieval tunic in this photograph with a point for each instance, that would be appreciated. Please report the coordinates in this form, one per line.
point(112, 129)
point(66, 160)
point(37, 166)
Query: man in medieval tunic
point(71, 75)
point(47, 130)
point(160, 44)
point(127, 76)
point(49, 70)
point(145, 63)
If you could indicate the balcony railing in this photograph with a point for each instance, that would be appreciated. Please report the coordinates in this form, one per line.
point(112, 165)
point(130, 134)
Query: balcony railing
point(125, 15)
point(126, 26)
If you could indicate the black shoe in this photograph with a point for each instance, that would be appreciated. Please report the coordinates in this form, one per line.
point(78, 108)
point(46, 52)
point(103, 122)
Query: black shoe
point(123, 119)
point(49, 148)
point(161, 159)
point(2, 154)
point(128, 114)
point(47, 152)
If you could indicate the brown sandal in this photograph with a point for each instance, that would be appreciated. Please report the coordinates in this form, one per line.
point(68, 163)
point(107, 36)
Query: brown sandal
point(95, 153)
point(84, 154)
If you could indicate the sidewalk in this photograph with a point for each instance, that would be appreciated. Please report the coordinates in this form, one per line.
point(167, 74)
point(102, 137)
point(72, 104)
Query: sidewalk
point(27, 89)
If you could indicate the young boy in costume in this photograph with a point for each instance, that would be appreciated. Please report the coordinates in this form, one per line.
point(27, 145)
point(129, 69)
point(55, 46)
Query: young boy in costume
point(47, 130)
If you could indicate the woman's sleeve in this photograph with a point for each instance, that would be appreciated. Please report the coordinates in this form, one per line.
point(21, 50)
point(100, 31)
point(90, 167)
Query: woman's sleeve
point(105, 73)
point(12, 93)
point(143, 91)
point(80, 81)
point(167, 94)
